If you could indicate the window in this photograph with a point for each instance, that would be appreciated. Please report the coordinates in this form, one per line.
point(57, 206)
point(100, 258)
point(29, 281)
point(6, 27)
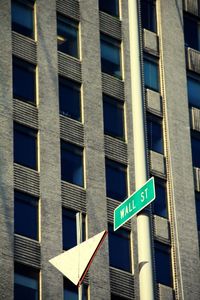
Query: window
point(151, 74)
point(113, 113)
point(110, 56)
point(195, 151)
point(23, 80)
point(26, 282)
point(160, 203)
point(163, 263)
point(25, 146)
point(193, 91)
point(26, 215)
point(69, 97)
point(119, 249)
point(71, 291)
point(197, 200)
point(69, 228)
point(22, 17)
point(110, 7)
point(191, 32)
point(116, 180)
point(71, 163)
point(154, 133)
point(148, 14)
point(67, 31)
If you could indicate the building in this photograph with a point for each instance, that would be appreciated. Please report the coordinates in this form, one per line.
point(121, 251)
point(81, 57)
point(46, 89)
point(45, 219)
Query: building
point(67, 144)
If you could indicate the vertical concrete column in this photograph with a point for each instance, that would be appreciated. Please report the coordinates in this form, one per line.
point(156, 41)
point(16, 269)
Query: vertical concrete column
point(178, 149)
point(49, 149)
point(6, 154)
point(94, 144)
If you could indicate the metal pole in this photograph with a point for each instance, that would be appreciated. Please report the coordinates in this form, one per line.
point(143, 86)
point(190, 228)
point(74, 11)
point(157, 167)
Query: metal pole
point(79, 240)
point(146, 283)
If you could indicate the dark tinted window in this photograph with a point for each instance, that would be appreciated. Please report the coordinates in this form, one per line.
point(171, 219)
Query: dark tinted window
point(116, 297)
point(163, 264)
point(113, 113)
point(160, 203)
point(196, 152)
point(116, 180)
point(26, 283)
point(110, 56)
point(71, 291)
point(71, 163)
point(119, 249)
point(23, 80)
point(148, 14)
point(197, 199)
point(110, 7)
point(25, 146)
point(155, 138)
point(22, 17)
point(193, 92)
point(69, 97)
point(26, 215)
point(67, 31)
point(191, 32)
point(151, 74)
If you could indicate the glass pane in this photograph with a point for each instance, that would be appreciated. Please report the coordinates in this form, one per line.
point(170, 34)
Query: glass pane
point(110, 6)
point(110, 56)
point(116, 180)
point(23, 81)
point(155, 139)
point(26, 283)
point(119, 249)
point(67, 36)
point(69, 97)
point(151, 78)
point(191, 32)
point(71, 163)
point(148, 15)
point(113, 114)
point(195, 152)
point(116, 297)
point(163, 264)
point(22, 18)
point(193, 92)
point(197, 199)
point(71, 291)
point(25, 146)
point(159, 204)
point(69, 229)
point(26, 215)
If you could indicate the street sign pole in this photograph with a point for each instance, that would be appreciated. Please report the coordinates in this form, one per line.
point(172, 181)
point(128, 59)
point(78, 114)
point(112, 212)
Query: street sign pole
point(144, 239)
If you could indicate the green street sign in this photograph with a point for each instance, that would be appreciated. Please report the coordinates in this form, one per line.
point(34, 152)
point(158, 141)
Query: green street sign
point(135, 203)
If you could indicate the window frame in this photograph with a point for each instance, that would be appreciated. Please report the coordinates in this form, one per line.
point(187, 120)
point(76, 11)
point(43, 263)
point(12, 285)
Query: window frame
point(158, 121)
point(152, 24)
point(154, 61)
point(121, 234)
point(166, 249)
point(30, 4)
point(117, 104)
point(72, 23)
point(32, 201)
point(119, 166)
point(30, 132)
point(35, 275)
point(196, 20)
point(75, 86)
point(28, 68)
point(113, 42)
point(117, 9)
point(80, 152)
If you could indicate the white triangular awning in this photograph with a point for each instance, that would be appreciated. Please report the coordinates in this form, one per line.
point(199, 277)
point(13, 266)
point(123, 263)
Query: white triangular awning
point(75, 262)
